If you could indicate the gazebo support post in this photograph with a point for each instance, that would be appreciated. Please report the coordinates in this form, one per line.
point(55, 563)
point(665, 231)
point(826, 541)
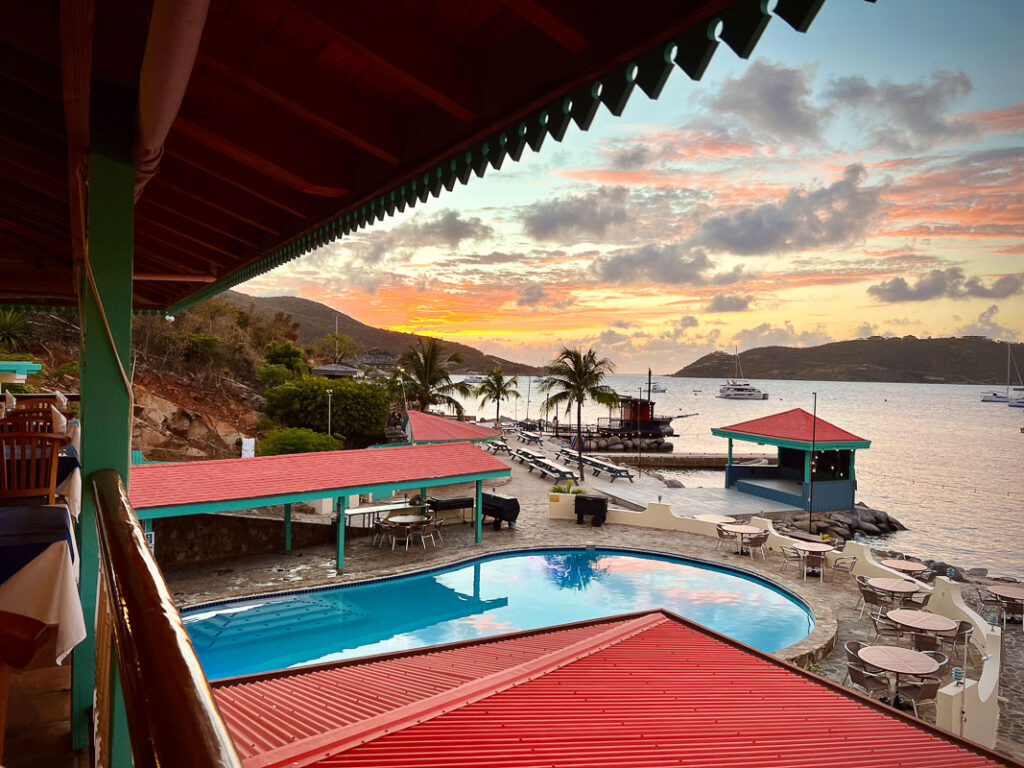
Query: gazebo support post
point(339, 559)
point(478, 511)
point(287, 527)
point(106, 405)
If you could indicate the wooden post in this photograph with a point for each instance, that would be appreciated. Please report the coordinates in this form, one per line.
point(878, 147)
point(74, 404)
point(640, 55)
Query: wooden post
point(478, 510)
point(106, 321)
point(339, 559)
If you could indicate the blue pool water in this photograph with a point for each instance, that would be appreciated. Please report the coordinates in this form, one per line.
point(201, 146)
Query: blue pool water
point(488, 596)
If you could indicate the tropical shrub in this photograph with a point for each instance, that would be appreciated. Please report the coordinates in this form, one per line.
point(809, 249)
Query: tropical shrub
point(359, 409)
point(297, 441)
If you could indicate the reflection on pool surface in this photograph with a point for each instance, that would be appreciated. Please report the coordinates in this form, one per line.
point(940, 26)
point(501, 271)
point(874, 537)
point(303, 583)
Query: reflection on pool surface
point(498, 594)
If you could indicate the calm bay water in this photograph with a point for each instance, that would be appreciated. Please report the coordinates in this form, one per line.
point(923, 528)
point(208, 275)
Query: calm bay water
point(950, 467)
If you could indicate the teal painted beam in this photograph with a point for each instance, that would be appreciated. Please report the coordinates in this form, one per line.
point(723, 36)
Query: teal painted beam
point(479, 505)
point(729, 463)
point(853, 473)
point(807, 467)
point(339, 559)
point(231, 505)
point(105, 405)
point(287, 527)
point(801, 445)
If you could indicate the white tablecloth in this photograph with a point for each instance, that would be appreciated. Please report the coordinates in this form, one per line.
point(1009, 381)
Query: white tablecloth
point(46, 590)
point(71, 489)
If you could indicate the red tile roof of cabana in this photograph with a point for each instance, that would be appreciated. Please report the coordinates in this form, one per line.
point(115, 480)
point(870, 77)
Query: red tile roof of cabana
point(205, 482)
point(427, 428)
point(646, 689)
point(795, 425)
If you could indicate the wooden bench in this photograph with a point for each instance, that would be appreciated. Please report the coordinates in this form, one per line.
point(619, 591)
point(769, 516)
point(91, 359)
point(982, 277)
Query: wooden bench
point(556, 472)
point(498, 446)
point(613, 471)
point(531, 437)
point(524, 456)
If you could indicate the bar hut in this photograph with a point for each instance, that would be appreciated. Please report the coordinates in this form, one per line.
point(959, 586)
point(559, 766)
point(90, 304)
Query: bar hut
point(809, 450)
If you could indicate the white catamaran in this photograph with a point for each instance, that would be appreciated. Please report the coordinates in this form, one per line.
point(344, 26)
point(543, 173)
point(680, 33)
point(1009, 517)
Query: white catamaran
point(739, 388)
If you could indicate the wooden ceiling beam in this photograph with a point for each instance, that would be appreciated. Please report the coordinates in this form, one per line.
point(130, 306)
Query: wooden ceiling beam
point(266, 140)
point(76, 36)
point(168, 253)
point(168, 199)
point(540, 15)
point(406, 52)
point(31, 178)
point(31, 202)
point(217, 194)
point(27, 106)
point(47, 243)
point(184, 240)
point(228, 252)
point(29, 72)
point(230, 171)
point(266, 72)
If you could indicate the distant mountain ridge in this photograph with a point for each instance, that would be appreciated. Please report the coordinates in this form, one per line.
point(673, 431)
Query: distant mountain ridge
point(317, 320)
point(967, 360)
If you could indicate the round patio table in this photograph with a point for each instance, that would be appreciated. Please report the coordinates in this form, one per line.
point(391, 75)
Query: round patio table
point(925, 621)
point(744, 532)
point(907, 566)
point(898, 587)
point(899, 661)
point(1009, 591)
point(715, 518)
point(407, 519)
point(813, 546)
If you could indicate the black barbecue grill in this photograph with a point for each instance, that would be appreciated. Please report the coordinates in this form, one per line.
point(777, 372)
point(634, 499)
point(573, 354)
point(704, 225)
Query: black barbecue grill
point(501, 508)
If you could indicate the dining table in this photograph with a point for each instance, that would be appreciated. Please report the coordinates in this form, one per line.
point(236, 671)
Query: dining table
point(813, 546)
point(744, 532)
point(898, 661)
point(407, 519)
point(39, 568)
point(898, 589)
point(1009, 591)
point(909, 567)
point(921, 621)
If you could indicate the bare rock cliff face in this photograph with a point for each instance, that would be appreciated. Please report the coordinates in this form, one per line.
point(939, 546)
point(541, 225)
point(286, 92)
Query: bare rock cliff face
point(168, 431)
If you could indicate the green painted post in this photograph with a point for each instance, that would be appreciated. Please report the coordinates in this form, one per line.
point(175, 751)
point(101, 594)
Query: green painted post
point(853, 474)
point(120, 741)
point(339, 560)
point(105, 408)
point(730, 452)
point(807, 466)
point(287, 527)
point(477, 509)
point(147, 525)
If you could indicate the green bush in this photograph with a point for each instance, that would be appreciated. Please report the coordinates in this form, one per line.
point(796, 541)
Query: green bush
point(359, 409)
point(13, 331)
point(274, 375)
point(286, 354)
point(297, 441)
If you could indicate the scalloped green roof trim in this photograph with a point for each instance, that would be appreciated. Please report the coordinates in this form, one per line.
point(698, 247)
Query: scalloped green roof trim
point(743, 23)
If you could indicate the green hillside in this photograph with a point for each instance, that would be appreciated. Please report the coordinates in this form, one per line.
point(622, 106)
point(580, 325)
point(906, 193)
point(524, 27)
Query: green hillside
point(968, 360)
point(317, 320)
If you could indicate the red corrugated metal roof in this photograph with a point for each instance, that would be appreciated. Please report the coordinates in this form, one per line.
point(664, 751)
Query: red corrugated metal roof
point(197, 482)
point(647, 691)
point(795, 425)
point(429, 428)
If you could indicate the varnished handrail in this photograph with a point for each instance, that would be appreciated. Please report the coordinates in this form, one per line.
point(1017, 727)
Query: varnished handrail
point(172, 717)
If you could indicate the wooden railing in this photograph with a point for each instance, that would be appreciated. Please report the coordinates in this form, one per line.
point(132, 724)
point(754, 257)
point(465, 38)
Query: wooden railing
point(171, 715)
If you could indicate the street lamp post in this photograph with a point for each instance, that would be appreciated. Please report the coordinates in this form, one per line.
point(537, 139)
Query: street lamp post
point(329, 393)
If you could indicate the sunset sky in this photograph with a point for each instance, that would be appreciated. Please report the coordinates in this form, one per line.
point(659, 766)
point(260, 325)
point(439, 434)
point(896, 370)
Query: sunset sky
point(865, 178)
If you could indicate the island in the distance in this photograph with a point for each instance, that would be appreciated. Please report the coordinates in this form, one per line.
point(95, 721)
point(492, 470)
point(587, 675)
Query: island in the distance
point(966, 360)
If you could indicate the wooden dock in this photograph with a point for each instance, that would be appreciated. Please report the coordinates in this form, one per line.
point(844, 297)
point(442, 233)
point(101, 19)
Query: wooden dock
point(678, 460)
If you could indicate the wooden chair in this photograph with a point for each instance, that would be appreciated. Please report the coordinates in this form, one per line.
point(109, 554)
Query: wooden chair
point(28, 465)
point(30, 420)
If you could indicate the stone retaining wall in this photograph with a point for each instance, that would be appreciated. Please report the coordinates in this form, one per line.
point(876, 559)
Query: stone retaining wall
point(201, 538)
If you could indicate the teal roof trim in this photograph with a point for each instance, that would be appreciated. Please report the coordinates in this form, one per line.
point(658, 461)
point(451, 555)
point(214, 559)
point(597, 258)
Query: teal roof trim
point(838, 445)
point(233, 505)
point(19, 367)
point(739, 26)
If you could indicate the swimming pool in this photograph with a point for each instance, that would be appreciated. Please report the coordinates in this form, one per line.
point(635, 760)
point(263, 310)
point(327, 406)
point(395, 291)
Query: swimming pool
point(486, 596)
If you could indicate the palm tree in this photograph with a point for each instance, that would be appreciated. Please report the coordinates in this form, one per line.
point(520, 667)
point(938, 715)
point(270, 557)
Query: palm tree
point(574, 376)
point(427, 377)
point(496, 388)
